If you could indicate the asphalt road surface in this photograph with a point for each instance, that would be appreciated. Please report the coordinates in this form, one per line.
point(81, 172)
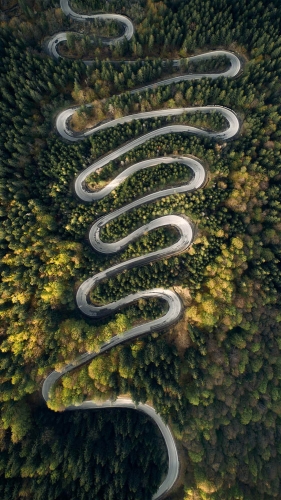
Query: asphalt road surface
point(184, 226)
point(62, 37)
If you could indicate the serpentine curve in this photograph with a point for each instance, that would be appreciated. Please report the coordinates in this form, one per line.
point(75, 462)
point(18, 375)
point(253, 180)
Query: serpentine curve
point(181, 223)
point(62, 37)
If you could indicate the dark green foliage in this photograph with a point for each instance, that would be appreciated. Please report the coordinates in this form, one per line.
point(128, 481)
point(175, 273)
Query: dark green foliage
point(87, 455)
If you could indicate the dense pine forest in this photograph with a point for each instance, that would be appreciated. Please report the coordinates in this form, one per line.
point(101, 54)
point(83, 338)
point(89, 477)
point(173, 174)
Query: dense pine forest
point(214, 377)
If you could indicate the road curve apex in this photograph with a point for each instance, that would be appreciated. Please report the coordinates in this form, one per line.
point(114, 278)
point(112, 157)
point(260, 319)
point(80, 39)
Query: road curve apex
point(185, 228)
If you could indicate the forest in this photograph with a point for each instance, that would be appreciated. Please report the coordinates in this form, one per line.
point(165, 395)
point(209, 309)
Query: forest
point(214, 377)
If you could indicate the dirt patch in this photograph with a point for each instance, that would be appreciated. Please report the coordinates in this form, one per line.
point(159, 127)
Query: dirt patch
point(179, 335)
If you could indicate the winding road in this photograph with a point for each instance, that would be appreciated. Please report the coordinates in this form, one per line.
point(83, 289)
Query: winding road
point(62, 37)
point(183, 225)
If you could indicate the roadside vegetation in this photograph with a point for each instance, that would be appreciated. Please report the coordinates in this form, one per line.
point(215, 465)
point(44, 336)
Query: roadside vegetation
point(217, 380)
